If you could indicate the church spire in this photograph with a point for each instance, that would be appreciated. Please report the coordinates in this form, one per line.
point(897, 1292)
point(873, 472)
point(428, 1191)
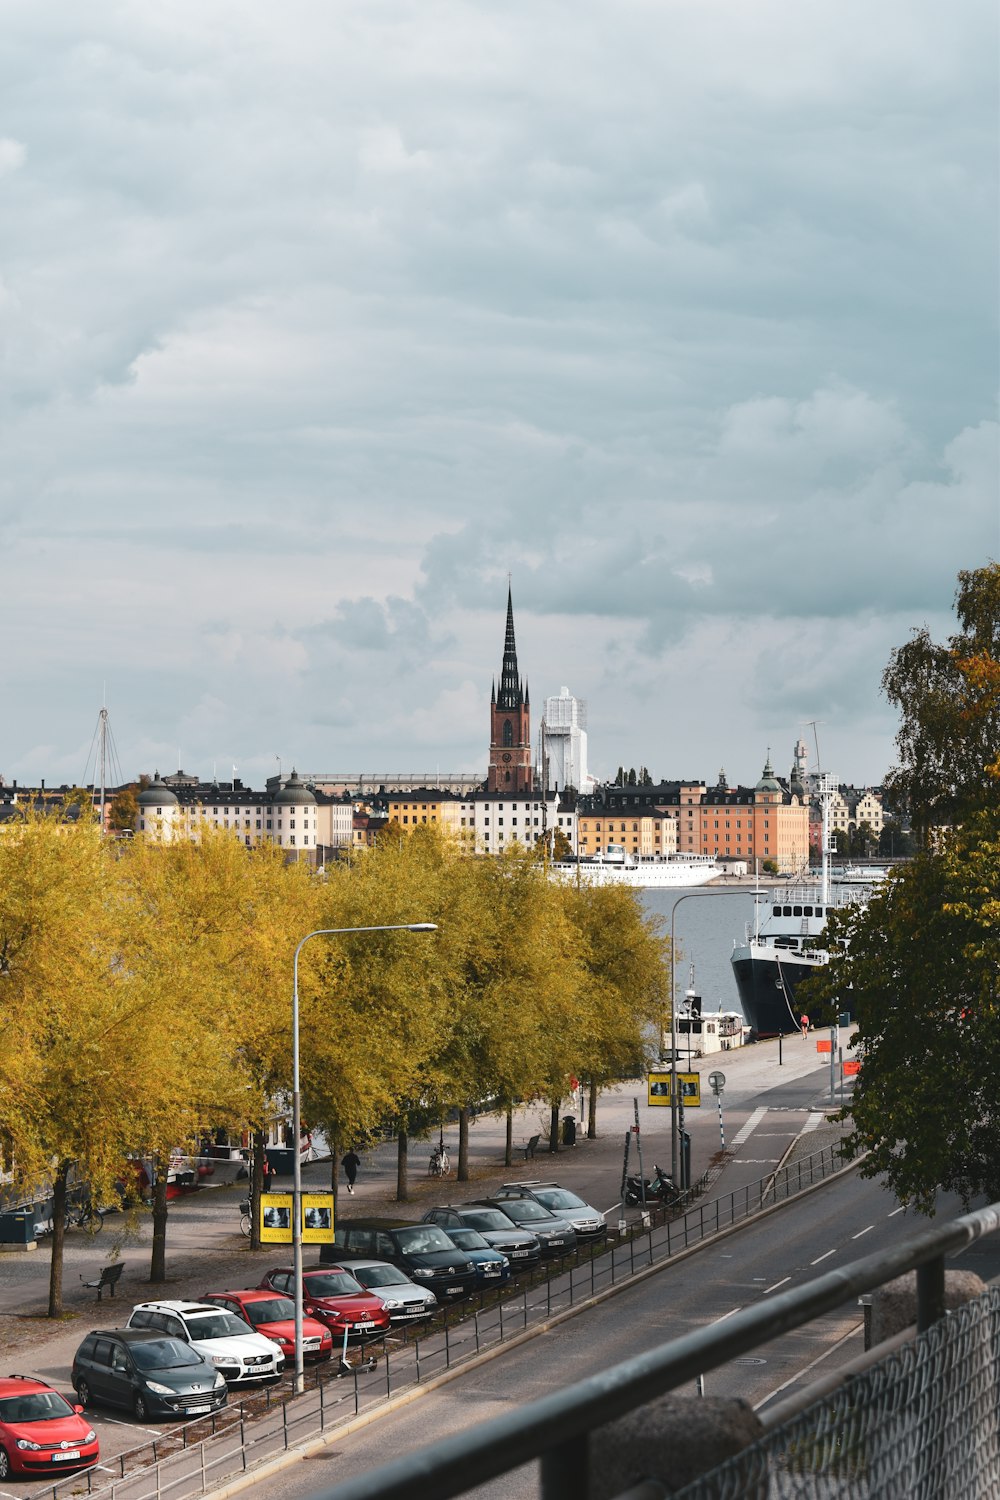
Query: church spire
point(510, 696)
point(510, 769)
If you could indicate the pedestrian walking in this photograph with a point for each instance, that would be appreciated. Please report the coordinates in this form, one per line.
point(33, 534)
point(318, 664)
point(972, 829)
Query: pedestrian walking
point(350, 1162)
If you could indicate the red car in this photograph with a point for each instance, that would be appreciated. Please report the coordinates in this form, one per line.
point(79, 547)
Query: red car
point(332, 1296)
point(40, 1432)
point(273, 1315)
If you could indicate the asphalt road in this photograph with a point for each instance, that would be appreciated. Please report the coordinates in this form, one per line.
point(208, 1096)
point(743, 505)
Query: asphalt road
point(840, 1223)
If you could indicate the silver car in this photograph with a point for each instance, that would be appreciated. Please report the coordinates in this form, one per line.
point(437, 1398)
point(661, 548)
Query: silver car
point(405, 1301)
point(586, 1221)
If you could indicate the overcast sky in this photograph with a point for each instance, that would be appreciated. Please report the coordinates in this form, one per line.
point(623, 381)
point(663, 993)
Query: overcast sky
point(318, 319)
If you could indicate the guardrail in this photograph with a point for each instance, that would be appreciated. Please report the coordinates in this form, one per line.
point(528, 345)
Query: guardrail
point(877, 1440)
point(184, 1463)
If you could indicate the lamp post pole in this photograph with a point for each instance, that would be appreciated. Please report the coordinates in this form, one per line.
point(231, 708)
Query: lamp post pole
point(673, 1025)
point(299, 1385)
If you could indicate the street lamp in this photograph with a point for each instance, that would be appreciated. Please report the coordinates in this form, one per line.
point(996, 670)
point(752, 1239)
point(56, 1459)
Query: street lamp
point(673, 1024)
point(299, 1385)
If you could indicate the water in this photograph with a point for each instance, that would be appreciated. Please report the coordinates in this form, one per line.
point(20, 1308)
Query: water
point(704, 930)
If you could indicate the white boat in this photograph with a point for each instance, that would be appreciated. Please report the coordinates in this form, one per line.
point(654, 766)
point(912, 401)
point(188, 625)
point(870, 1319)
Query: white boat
point(616, 867)
point(701, 1032)
point(784, 944)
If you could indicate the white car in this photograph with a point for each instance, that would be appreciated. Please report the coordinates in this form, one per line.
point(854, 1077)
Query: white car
point(226, 1341)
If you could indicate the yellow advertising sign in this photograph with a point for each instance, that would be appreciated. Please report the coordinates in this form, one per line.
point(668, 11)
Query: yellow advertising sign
point(276, 1218)
point(688, 1087)
point(317, 1218)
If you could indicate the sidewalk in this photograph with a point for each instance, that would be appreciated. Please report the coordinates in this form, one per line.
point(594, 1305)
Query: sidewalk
point(206, 1252)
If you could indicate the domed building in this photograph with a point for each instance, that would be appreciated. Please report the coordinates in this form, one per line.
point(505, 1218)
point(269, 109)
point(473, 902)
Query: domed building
point(158, 810)
point(176, 806)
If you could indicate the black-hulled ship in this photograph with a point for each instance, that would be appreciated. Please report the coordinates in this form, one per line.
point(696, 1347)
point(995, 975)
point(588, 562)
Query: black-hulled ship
point(783, 945)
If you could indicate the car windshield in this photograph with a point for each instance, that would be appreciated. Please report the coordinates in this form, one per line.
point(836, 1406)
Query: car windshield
point(468, 1239)
point(381, 1276)
point(271, 1311)
point(216, 1325)
point(164, 1354)
point(422, 1239)
point(34, 1406)
point(486, 1218)
point(558, 1198)
point(331, 1284)
point(526, 1208)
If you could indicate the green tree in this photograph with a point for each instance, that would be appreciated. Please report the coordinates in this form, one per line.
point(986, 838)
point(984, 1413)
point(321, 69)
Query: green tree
point(949, 699)
point(124, 808)
point(922, 959)
point(922, 963)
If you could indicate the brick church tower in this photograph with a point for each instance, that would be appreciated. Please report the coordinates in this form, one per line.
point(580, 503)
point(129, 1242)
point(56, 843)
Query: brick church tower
point(510, 723)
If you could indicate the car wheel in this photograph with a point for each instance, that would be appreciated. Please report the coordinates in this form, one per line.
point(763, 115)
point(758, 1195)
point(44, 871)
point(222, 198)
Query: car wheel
point(83, 1391)
point(140, 1407)
point(4, 1465)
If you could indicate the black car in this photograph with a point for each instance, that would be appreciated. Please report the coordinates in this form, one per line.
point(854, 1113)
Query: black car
point(555, 1237)
point(423, 1251)
point(518, 1245)
point(148, 1373)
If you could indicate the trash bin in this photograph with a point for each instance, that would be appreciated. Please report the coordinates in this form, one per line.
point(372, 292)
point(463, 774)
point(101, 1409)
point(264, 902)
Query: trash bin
point(569, 1130)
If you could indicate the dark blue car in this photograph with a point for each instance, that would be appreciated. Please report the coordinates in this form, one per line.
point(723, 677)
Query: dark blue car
point(492, 1268)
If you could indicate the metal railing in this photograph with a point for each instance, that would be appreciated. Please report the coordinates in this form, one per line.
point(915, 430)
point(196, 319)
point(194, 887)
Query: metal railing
point(185, 1463)
point(920, 1404)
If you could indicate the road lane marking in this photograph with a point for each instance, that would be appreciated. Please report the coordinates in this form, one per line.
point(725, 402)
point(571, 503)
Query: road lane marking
point(823, 1257)
point(776, 1285)
point(136, 1426)
point(900, 1210)
point(750, 1126)
point(813, 1122)
point(862, 1231)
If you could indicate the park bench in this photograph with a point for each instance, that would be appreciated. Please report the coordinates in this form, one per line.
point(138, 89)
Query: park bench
point(531, 1147)
point(109, 1278)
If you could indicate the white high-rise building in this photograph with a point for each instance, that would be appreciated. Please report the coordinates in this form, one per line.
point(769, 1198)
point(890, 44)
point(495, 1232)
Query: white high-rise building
point(564, 743)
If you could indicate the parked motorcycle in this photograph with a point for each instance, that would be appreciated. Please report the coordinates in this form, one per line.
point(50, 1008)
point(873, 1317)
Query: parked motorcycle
point(658, 1189)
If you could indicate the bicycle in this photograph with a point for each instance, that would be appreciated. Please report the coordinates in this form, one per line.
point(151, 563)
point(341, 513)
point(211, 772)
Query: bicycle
point(440, 1163)
point(84, 1216)
point(246, 1217)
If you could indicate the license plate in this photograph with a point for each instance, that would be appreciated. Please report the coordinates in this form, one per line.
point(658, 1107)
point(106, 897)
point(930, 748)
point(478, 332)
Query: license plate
point(196, 1411)
point(364, 1327)
point(556, 1244)
point(520, 1254)
point(61, 1458)
point(491, 1270)
point(453, 1291)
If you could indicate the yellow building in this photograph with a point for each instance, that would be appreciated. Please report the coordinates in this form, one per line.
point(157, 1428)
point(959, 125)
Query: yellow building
point(646, 833)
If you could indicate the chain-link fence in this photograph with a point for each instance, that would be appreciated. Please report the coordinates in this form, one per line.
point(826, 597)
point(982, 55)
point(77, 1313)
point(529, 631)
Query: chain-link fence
point(921, 1424)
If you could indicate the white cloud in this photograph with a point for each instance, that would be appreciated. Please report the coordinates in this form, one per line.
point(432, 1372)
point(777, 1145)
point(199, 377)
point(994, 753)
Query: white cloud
point(319, 322)
point(12, 155)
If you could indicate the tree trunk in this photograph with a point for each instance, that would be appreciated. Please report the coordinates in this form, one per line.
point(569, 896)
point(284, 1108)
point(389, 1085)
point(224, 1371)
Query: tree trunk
point(403, 1145)
point(554, 1125)
point(463, 1145)
point(158, 1259)
point(256, 1187)
point(592, 1111)
point(58, 1237)
point(508, 1153)
point(335, 1154)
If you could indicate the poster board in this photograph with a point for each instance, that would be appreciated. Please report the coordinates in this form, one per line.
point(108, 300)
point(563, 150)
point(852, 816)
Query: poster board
point(688, 1086)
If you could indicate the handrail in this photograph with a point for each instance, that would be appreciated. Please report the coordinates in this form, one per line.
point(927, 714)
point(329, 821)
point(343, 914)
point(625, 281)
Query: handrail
point(555, 1427)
